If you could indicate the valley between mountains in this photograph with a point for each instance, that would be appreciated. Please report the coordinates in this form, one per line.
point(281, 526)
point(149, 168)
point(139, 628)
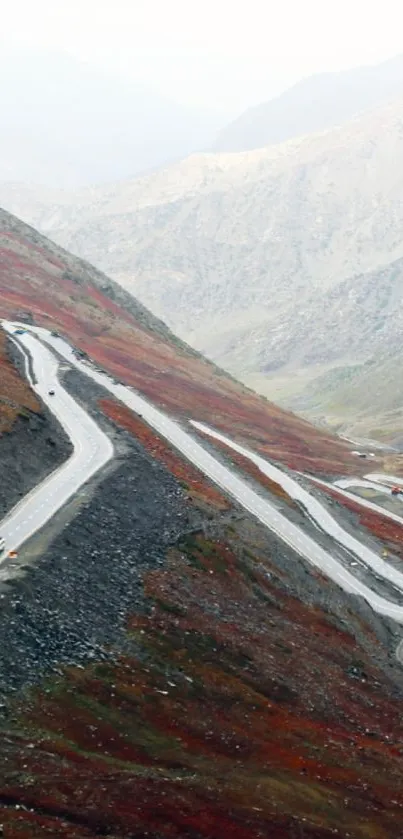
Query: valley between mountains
point(199, 636)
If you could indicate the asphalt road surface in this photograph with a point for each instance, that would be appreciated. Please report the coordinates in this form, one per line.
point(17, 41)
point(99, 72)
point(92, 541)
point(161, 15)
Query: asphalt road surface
point(262, 509)
point(265, 512)
point(344, 483)
point(358, 499)
point(387, 480)
point(92, 450)
point(315, 509)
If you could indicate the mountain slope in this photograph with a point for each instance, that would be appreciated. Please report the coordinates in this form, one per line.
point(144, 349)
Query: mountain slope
point(313, 104)
point(169, 668)
point(42, 282)
point(364, 399)
point(65, 123)
point(280, 263)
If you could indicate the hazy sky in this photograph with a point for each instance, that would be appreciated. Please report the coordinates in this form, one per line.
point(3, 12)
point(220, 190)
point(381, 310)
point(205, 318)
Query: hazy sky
point(220, 53)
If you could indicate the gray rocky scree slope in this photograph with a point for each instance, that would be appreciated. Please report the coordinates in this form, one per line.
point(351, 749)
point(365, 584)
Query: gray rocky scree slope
point(97, 552)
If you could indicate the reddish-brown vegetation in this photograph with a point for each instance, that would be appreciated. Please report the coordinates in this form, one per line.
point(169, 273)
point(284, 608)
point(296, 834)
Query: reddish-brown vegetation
point(32, 278)
point(248, 466)
point(242, 713)
point(236, 712)
point(389, 531)
point(15, 394)
point(192, 480)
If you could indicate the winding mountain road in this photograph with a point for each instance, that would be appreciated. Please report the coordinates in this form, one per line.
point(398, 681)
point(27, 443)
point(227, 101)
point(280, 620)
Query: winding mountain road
point(92, 449)
point(358, 499)
point(98, 452)
point(344, 483)
point(315, 509)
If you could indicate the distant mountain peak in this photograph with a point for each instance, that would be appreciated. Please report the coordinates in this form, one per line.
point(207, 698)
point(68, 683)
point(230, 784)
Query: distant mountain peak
point(313, 104)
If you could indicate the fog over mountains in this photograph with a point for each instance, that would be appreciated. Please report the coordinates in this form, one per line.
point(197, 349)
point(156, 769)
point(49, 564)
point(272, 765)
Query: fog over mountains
point(282, 263)
point(66, 124)
point(313, 104)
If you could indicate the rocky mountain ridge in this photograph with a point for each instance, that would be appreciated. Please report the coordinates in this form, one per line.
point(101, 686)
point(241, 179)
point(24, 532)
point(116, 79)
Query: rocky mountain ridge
point(314, 104)
point(279, 264)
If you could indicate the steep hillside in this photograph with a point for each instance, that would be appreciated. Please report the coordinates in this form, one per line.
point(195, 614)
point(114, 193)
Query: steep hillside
point(279, 264)
point(169, 667)
point(16, 397)
point(42, 282)
point(314, 104)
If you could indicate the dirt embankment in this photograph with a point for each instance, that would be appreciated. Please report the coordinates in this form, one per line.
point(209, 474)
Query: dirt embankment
point(32, 443)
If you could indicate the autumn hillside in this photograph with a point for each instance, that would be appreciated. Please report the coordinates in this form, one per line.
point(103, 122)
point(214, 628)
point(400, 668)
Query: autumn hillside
point(169, 668)
point(39, 280)
point(16, 397)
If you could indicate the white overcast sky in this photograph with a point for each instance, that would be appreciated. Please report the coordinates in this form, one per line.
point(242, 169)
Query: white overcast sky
point(219, 53)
